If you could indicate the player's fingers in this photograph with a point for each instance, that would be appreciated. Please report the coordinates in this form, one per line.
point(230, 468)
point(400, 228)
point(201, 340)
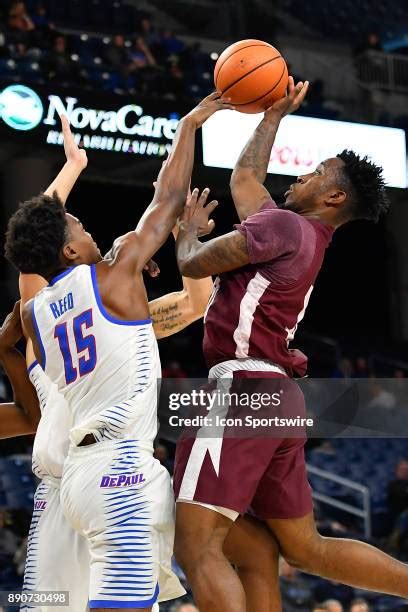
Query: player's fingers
point(191, 203)
point(66, 129)
point(213, 96)
point(211, 225)
point(211, 206)
point(203, 197)
point(302, 94)
point(291, 85)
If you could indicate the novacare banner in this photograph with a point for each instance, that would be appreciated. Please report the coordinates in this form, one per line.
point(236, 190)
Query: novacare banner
point(100, 122)
point(303, 142)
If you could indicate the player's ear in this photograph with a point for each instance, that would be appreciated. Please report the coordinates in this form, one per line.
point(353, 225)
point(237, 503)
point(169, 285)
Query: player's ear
point(69, 252)
point(335, 198)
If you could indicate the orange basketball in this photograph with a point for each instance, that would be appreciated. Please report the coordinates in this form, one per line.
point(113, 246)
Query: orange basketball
point(253, 74)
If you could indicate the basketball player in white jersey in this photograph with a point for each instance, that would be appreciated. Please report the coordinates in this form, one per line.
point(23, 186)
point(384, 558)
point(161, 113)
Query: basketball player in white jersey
point(53, 571)
point(93, 336)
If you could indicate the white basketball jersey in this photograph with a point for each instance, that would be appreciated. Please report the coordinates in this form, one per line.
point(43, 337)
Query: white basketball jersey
point(52, 438)
point(106, 369)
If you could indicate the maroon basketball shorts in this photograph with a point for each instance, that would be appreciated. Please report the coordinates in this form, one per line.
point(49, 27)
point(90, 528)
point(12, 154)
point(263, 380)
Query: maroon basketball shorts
point(243, 468)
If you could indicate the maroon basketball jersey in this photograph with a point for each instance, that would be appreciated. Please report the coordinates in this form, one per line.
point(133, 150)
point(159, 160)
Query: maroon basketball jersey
point(254, 311)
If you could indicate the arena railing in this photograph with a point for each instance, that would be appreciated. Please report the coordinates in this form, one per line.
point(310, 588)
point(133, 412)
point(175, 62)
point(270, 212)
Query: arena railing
point(384, 70)
point(364, 513)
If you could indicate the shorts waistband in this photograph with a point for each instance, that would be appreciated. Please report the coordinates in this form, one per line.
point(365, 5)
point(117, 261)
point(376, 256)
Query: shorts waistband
point(107, 446)
point(224, 368)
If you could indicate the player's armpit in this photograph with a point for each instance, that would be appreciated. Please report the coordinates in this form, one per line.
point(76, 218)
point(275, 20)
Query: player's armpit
point(171, 313)
point(225, 253)
point(249, 195)
point(13, 422)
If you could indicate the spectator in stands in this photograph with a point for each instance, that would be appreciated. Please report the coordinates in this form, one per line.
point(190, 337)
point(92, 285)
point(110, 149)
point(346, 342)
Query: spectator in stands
point(149, 33)
point(332, 605)
point(359, 605)
point(175, 84)
point(141, 55)
point(170, 44)
point(116, 54)
point(297, 595)
point(380, 398)
point(398, 490)
point(19, 19)
point(371, 43)
point(399, 373)
point(362, 369)
point(326, 590)
point(58, 63)
point(43, 26)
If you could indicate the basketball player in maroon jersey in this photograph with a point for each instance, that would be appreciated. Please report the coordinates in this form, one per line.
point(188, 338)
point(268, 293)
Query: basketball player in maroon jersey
point(267, 268)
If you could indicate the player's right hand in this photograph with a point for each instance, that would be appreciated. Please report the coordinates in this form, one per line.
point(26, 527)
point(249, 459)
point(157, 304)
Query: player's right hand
point(207, 107)
point(11, 331)
point(292, 101)
point(197, 213)
point(72, 152)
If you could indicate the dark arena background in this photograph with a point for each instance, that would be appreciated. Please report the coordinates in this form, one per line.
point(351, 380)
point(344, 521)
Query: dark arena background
point(147, 63)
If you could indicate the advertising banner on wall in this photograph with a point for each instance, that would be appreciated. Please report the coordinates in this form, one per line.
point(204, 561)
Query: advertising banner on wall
point(100, 121)
point(303, 142)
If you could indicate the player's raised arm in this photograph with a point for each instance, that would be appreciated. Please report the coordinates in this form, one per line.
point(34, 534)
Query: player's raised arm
point(76, 162)
point(21, 417)
point(199, 260)
point(248, 177)
point(133, 250)
point(176, 311)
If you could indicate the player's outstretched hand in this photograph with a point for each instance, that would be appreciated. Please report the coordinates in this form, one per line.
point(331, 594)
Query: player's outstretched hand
point(152, 268)
point(196, 214)
point(207, 107)
point(72, 152)
point(11, 330)
point(293, 99)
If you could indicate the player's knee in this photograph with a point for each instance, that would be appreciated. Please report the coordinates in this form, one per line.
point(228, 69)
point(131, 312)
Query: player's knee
point(305, 554)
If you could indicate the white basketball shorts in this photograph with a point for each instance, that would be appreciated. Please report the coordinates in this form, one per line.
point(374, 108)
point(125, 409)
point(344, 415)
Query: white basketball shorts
point(120, 498)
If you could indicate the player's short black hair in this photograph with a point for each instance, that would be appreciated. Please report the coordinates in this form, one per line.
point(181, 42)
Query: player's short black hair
point(35, 235)
point(364, 183)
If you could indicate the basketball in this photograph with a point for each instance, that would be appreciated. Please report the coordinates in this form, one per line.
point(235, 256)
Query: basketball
point(253, 74)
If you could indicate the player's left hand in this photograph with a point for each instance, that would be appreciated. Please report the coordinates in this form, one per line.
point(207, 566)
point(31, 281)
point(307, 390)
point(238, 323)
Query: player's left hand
point(291, 102)
point(11, 331)
point(207, 107)
point(72, 152)
point(196, 214)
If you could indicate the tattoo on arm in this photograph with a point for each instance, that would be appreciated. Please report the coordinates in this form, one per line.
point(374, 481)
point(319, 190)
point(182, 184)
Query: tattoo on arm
point(222, 254)
point(257, 153)
point(168, 319)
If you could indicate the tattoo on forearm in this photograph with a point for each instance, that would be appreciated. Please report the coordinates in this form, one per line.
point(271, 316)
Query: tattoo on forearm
point(257, 152)
point(168, 318)
point(214, 257)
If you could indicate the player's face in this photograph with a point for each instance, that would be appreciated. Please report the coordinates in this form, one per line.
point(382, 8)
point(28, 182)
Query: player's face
point(311, 190)
point(81, 243)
